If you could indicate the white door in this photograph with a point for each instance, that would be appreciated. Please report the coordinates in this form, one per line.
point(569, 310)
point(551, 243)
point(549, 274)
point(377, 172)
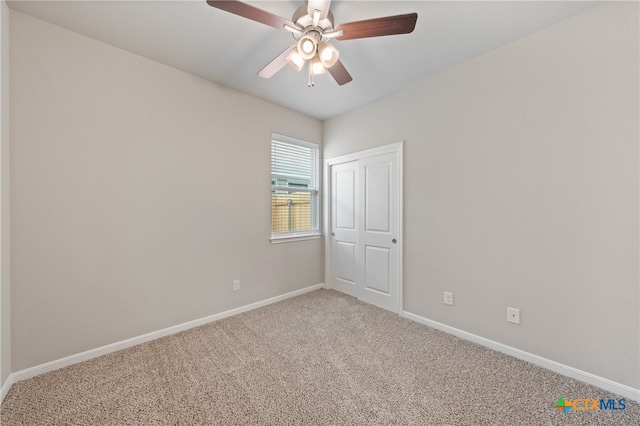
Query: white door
point(365, 222)
point(344, 231)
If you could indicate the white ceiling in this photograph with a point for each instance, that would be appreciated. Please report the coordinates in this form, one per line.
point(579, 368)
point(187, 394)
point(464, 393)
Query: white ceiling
point(229, 50)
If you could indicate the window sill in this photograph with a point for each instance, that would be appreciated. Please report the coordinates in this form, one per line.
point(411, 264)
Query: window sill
point(292, 238)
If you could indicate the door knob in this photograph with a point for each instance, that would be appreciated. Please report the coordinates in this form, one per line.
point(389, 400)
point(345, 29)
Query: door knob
point(394, 241)
point(333, 234)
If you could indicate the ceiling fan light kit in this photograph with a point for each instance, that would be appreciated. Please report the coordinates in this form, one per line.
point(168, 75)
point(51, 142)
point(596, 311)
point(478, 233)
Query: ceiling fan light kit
point(312, 26)
point(295, 60)
point(307, 46)
point(328, 54)
point(316, 66)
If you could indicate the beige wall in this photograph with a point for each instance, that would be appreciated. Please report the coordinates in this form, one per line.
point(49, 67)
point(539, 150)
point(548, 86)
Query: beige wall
point(5, 276)
point(118, 167)
point(521, 189)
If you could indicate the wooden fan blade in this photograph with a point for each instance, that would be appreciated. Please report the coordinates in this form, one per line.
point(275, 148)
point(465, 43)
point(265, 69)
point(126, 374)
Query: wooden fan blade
point(250, 12)
point(340, 73)
point(277, 64)
point(321, 5)
point(389, 25)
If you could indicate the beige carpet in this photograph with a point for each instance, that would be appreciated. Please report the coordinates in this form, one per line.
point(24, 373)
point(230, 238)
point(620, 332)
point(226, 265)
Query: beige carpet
point(318, 359)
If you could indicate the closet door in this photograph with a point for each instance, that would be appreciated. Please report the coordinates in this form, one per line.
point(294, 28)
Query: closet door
point(365, 224)
point(378, 230)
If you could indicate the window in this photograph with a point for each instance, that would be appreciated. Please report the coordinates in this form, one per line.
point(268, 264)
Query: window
point(294, 189)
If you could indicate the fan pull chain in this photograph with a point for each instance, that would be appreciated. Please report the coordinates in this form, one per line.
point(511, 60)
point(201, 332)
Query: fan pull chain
point(310, 82)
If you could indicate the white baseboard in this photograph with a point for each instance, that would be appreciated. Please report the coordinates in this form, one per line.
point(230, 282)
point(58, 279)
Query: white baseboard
point(113, 347)
point(583, 376)
point(6, 386)
point(565, 370)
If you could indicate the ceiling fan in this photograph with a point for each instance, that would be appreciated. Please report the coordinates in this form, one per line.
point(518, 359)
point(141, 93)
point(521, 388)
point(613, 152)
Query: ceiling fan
point(312, 26)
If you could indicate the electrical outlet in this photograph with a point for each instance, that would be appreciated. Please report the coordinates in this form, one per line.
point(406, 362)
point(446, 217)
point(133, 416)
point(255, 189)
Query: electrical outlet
point(448, 298)
point(513, 315)
point(236, 285)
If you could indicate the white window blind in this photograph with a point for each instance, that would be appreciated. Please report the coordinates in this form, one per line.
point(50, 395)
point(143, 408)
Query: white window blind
point(294, 188)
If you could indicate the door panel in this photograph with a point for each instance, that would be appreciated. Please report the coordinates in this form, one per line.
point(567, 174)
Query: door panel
point(345, 261)
point(344, 211)
point(379, 229)
point(345, 180)
point(377, 203)
point(376, 269)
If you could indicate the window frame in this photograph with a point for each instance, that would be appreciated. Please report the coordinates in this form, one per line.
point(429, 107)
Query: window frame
point(315, 232)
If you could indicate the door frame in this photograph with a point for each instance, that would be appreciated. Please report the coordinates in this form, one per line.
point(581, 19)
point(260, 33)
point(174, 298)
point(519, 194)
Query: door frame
point(398, 149)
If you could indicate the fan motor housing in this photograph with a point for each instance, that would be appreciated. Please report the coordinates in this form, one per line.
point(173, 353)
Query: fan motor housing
point(303, 20)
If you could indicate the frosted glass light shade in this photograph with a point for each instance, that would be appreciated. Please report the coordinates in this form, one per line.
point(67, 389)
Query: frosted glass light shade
point(296, 60)
point(316, 67)
point(307, 47)
point(328, 54)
